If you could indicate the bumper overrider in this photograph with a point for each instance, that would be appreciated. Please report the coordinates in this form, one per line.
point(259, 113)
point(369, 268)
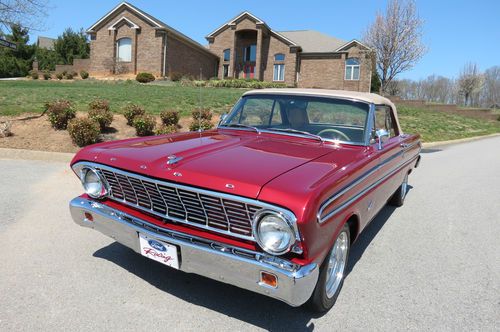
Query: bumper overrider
point(235, 266)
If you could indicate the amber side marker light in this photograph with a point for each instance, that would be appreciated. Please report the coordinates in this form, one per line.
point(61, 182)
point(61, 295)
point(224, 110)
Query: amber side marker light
point(268, 279)
point(89, 217)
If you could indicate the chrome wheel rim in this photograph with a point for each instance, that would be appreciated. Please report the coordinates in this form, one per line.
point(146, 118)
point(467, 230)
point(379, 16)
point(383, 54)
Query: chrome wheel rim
point(404, 187)
point(336, 264)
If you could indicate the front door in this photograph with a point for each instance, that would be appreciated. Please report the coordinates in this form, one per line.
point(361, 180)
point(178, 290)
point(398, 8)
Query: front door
point(248, 71)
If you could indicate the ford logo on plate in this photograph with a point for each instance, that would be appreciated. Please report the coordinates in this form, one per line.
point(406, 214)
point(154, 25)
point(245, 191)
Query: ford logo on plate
point(157, 245)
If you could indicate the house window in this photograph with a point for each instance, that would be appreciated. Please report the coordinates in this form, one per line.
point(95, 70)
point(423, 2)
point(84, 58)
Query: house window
point(352, 69)
point(225, 71)
point(279, 57)
point(279, 72)
point(124, 50)
point(250, 53)
point(227, 54)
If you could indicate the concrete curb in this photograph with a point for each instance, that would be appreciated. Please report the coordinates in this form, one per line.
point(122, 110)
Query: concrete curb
point(6, 153)
point(457, 141)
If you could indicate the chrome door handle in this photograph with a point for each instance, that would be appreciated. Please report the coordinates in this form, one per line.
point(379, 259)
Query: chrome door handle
point(404, 145)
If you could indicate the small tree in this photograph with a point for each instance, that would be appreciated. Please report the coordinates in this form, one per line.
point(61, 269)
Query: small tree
point(491, 88)
point(396, 39)
point(469, 82)
point(72, 45)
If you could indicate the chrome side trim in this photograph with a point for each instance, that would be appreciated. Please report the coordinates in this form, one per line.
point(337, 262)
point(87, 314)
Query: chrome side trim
point(215, 260)
point(239, 199)
point(321, 219)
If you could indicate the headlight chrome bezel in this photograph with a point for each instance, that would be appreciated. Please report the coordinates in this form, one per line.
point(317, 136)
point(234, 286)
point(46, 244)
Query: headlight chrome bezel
point(288, 220)
point(104, 185)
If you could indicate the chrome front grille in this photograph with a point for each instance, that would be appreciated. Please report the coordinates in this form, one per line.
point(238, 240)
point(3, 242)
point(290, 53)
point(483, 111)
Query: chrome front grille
point(206, 209)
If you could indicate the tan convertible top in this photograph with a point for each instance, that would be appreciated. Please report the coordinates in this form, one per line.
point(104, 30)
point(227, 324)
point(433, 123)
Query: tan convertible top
point(361, 96)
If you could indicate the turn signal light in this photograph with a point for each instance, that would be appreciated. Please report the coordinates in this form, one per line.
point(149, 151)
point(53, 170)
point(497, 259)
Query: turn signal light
point(269, 279)
point(89, 217)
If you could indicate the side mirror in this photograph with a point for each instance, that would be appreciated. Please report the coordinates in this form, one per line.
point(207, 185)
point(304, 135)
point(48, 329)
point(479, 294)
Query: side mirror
point(383, 137)
point(222, 118)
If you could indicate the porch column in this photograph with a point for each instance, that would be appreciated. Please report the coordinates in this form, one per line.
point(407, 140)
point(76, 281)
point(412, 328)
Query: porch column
point(258, 54)
point(232, 62)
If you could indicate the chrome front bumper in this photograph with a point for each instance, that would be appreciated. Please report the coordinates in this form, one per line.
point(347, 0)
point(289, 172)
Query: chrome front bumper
point(218, 261)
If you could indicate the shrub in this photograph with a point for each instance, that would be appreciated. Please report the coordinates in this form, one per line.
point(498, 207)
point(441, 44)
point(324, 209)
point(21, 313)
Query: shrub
point(175, 76)
point(69, 76)
point(169, 117)
point(166, 129)
point(203, 114)
point(59, 113)
point(34, 74)
point(244, 83)
point(144, 125)
point(64, 72)
point(131, 111)
point(46, 75)
point(5, 129)
point(83, 131)
point(99, 104)
point(84, 74)
point(100, 112)
point(498, 118)
point(145, 77)
point(73, 73)
point(59, 76)
point(200, 125)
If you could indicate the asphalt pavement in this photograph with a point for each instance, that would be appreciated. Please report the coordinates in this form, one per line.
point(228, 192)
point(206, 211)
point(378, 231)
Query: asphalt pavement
point(433, 264)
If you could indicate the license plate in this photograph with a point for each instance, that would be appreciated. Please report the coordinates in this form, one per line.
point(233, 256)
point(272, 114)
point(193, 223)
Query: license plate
point(159, 251)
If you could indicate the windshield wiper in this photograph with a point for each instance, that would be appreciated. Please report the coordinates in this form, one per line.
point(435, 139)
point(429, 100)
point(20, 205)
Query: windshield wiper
point(295, 131)
point(240, 125)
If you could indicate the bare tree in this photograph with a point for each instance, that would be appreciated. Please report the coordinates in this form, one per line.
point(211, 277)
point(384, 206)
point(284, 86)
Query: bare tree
point(27, 13)
point(490, 94)
point(469, 83)
point(396, 38)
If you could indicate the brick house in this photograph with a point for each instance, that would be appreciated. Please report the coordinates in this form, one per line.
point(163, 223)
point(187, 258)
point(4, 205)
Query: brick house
point(127, 41)
point(248, 48)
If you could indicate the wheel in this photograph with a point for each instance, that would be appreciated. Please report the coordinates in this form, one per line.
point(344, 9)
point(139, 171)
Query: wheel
point(398, 198)
point(331, 275)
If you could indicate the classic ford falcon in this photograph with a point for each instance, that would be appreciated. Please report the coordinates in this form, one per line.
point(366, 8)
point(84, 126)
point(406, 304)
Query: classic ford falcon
point(270, 201)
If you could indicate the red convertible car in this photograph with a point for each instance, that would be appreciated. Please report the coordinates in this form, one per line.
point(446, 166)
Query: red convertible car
point(270, 201)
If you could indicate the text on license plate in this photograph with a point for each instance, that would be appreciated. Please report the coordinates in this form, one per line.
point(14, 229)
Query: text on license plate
point(159, 251)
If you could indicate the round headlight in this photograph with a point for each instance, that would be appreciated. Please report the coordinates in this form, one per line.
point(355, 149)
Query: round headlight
point(93, 184)
point(273, 232)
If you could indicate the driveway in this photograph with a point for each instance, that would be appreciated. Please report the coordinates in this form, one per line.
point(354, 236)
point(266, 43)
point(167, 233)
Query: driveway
point(432, 265)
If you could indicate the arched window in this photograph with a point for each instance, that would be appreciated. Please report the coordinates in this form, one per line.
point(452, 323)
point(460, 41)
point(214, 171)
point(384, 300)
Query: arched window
point(279, 57)
point(124, 50)
point(227, 54)
point(352, 69)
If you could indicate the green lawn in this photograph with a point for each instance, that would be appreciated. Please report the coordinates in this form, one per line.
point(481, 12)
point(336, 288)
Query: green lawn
point(436, 126)
point(18, 97)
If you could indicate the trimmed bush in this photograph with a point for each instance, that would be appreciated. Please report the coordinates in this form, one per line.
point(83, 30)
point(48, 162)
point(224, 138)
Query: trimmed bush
point(34, 74)
point(46, 75)
point(131, 111)
point(145, 77)
point(244, 83)
point(175, 76)
point(59, 76)
point(83, 131)
point(166, 129)
point(200, 125)
point(100, 112)
point(144, 125)
point(84, 74)
point(59, 113)
point(69, 76)
point(99, 104)
point(170, 117)
point(203, 114)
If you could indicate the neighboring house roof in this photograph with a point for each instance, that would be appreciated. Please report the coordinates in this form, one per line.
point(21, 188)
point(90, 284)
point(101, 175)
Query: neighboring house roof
point(46, 42)
point(157, 24)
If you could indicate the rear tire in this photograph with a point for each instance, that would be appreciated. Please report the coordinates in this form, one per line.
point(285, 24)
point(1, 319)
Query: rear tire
point(331, 273)
point(398, 198)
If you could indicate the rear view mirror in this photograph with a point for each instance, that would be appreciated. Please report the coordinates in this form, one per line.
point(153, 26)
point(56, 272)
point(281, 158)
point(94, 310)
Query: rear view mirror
point(383, 137)
point(222, 118)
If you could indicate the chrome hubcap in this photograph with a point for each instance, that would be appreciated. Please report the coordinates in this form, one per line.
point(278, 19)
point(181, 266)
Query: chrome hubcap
point(404, 187)
point(336, 264)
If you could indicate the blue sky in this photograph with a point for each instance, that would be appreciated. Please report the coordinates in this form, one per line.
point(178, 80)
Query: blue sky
point(455, 31)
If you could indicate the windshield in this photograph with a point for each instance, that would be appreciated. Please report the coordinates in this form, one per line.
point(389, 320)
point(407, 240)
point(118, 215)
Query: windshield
point(314, 117)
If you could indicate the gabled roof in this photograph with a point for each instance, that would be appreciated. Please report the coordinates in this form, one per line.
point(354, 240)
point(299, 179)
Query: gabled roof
point(155, 23)
point(253, 18)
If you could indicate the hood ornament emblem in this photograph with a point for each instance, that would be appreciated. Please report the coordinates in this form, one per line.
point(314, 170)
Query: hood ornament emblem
point(173, 159)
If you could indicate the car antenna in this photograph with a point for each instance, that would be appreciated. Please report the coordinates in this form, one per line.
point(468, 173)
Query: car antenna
point(200, 105)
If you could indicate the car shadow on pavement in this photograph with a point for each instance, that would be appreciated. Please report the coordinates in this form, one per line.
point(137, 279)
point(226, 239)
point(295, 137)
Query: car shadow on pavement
point(252, 308)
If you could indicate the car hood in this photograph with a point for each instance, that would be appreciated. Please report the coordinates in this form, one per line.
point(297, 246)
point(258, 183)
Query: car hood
point(239, 164)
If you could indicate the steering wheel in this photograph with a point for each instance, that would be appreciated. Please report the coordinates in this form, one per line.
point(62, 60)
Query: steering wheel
point(336, 133)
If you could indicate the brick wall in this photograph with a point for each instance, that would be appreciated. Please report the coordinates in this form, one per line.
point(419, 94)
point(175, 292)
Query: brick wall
point(272, 46)
point(185, 59)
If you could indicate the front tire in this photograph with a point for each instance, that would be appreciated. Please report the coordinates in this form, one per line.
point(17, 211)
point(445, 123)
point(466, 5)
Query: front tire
point(398, 199)
point(332, 273)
